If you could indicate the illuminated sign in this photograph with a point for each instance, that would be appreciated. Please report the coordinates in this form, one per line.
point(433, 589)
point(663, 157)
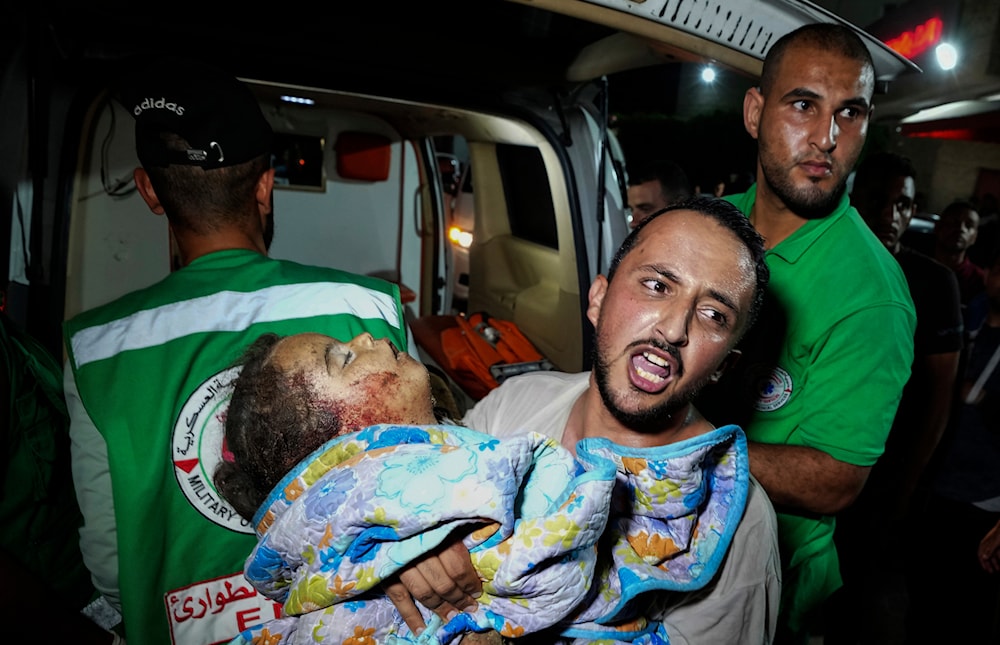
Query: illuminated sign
point(913, 43)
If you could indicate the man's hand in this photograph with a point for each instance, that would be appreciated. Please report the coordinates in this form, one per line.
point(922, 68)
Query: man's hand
point(443, 581)
point(989, 550)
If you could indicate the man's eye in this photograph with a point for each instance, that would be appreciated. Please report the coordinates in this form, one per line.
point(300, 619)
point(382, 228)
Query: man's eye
point(654, 285)
point(717, 317)
point(801, 104)
point(850, 113)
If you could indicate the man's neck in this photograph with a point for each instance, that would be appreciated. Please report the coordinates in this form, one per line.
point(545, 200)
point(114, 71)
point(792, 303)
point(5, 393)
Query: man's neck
point(193, 246)
point(589, 418)
point(772, 218)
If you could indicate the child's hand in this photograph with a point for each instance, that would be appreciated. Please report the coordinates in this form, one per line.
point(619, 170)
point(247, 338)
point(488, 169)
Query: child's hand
point(444, 582)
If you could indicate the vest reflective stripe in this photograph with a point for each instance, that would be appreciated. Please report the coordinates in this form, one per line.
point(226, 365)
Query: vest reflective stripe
point(283, 302)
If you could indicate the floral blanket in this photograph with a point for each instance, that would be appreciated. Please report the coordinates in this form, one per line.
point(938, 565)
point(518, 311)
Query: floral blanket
point(365, 505)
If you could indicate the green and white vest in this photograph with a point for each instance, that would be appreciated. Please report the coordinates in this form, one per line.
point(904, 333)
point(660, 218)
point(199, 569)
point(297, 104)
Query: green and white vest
point(153, 372)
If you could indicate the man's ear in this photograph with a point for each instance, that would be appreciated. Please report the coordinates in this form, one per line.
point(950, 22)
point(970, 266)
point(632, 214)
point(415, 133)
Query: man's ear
point(730, 361)
point(265, 188)
point(753, 103)
point(145, 188)
point(598, 288)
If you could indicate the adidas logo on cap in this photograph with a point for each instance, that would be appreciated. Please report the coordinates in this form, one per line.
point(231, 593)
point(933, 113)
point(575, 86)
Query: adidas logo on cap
point(157, 104)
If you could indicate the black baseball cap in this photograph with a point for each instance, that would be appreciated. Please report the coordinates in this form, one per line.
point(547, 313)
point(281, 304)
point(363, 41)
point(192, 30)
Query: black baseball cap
point(212, 110)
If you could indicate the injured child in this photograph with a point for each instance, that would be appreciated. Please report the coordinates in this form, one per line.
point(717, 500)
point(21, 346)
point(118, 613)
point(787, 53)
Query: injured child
point(334, 453)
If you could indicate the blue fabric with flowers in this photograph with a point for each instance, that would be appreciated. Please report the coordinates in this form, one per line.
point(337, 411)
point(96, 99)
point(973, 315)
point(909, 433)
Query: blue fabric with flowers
point(365, 505)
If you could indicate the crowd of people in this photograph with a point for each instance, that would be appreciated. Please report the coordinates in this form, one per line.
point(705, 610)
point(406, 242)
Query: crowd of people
point(783, 397)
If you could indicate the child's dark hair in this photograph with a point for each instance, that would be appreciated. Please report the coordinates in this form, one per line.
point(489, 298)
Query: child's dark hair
point(271, 425)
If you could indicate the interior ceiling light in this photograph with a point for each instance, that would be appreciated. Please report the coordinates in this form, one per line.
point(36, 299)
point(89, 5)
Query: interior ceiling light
point(708, 75)
point(298, 100)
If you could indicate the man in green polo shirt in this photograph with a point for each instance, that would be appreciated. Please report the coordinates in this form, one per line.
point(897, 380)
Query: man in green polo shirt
point(148, 375)
point(824, 368)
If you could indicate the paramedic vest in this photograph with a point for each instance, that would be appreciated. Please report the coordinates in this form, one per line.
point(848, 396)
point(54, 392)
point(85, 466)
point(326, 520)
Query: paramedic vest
point(152, 369)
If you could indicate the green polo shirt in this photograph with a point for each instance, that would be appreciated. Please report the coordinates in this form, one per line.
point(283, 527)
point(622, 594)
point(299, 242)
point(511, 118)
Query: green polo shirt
point(825, 367)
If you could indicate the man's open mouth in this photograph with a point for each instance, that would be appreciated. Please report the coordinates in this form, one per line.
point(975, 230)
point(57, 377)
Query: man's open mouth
point(651, 371)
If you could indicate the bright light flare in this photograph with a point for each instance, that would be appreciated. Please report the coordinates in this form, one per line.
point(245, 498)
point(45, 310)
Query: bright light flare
point(947, 55)
point(460, 237)
point(708, 75)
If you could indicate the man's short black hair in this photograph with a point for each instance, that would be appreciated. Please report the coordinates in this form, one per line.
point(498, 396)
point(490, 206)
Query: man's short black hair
point(832, 38)
point(673, 180)
point(726, 215)
point(877, 168)
point(958, 206)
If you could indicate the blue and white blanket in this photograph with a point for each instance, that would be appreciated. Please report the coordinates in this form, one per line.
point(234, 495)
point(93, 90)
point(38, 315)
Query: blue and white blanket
point(365, 505)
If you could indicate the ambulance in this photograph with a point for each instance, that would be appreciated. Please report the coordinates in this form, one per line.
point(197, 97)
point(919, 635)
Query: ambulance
point(465, 151)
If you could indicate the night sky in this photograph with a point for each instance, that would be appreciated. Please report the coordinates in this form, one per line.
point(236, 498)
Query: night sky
point(657, 116)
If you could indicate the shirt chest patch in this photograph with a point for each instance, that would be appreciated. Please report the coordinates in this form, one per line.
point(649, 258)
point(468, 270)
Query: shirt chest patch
point(197, 447)
point(772, 389)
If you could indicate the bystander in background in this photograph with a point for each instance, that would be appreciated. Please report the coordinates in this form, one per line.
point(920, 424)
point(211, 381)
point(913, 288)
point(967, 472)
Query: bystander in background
point(868, 532)
point(653, 185)
point(952, 590)
point(954, 234)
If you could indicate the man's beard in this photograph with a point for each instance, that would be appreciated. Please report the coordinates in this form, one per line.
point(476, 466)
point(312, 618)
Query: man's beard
point(809, 204)
point(644, 421)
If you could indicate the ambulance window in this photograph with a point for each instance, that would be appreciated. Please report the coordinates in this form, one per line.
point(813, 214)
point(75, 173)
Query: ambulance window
point(529, 200)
